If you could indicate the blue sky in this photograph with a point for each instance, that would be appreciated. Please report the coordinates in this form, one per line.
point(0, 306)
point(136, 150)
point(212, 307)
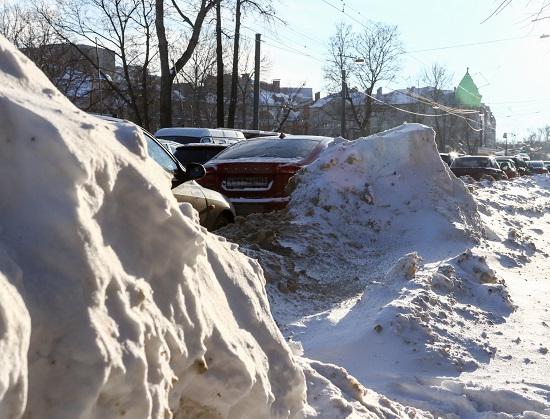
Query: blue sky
point(513, 75)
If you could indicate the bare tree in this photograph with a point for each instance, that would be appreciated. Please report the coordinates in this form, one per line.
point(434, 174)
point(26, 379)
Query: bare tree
point(122, 28)
point(265, 10)
point(339, 60)
point(367, 58)
point(245, 81)
point(199, 70)
point(291, 105)
point(380, 48)
point(193, 21)
point(438, 78)
point(220, 94)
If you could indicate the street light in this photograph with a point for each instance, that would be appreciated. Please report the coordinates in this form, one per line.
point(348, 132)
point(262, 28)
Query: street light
point(357, 60)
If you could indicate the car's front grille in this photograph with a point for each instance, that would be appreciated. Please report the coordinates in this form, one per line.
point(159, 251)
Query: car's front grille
point(238, 183)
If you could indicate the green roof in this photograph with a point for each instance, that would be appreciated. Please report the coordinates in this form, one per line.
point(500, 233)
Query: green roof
point(467, 93)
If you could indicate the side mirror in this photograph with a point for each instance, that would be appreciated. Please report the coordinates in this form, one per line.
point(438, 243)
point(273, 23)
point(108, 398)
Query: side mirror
point(194, 171)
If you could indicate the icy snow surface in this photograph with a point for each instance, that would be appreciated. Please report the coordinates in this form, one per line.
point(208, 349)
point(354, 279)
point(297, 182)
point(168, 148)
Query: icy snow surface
point(388, 265)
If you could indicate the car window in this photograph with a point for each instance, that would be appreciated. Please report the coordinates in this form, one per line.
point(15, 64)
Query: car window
point(294, 148)
point(196, 155)
point(158, 154)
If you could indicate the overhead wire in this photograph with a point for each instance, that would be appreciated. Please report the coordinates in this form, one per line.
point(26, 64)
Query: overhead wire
point(272, 41)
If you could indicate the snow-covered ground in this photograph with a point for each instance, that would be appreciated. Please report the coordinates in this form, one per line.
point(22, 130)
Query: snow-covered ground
point(396, 290)
point(417, 284)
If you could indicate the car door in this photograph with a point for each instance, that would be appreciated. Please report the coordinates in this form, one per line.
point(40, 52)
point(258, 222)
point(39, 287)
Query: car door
point(192, 193)
point(189, 191)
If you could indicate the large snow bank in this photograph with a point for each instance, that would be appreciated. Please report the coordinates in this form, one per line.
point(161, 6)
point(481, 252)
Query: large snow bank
point(387, 182)
point(384, 264)
point(135, 310)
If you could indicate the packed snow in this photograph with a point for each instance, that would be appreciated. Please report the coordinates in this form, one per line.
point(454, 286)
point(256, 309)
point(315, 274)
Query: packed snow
point(388, 265)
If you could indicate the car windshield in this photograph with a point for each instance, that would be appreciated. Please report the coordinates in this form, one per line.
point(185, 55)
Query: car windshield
point(471, 162)
point(182, 139)
point(274, 148)
point(536, 164)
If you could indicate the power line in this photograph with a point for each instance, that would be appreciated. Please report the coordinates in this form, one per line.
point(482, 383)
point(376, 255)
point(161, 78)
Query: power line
point(499, 9)
point(470, 44)
point(344, 13)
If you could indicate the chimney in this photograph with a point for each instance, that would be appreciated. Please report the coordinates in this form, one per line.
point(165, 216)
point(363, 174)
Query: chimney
point(317, 96)
point(379, 92)
point(277, 85)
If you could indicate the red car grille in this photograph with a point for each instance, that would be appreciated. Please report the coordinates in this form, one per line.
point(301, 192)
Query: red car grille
point(243, 183)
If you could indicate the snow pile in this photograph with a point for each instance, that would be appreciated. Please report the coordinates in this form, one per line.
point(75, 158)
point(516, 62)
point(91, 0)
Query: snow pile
point(135, 310)
point(385, 265)
point(364, 187)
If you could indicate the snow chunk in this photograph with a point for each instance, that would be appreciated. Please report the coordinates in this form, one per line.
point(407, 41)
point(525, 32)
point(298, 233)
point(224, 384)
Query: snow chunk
point(15, 329)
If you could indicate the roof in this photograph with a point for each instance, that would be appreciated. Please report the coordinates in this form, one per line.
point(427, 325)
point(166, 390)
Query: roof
point(175, 131)
point(467, 93)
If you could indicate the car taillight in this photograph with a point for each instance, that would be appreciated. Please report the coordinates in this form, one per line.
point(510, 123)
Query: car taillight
point(288, 169)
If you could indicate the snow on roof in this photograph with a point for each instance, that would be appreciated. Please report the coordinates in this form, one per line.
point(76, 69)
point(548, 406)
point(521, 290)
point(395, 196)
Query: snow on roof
point(396, 97)
point(410, 95)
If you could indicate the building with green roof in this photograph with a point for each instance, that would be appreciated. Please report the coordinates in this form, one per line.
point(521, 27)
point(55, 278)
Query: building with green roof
point(467, 93)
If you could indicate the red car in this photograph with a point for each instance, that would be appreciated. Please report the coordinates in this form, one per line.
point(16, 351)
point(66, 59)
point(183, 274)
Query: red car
point(254, 174)
point(477, 167)
point(537, 167)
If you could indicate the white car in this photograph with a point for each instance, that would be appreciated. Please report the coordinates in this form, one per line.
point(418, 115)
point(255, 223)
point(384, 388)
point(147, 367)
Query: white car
point(183, 135)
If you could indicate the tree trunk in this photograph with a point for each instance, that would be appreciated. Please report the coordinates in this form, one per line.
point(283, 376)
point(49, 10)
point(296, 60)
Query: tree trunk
point(168, 74)
point(166, 79)
point(220, 97)
point(235, 71)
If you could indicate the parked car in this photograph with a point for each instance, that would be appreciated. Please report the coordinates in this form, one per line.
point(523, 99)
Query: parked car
point(508, 166)
point(254, 174)
point(547, 164)
point(477, 167)
point(447, 157)
point(214, 209)
point(537, 167)
point(521, 165)
point(171, 146)
point(197, 152)
point(254, 133)
point(183, 135)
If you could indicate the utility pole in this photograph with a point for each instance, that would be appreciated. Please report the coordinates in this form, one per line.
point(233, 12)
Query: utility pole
point(343, 120)
point(256, 110)
point(99, 78)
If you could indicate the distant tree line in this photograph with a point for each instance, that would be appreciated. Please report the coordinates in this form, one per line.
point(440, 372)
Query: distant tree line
point(157, 44)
